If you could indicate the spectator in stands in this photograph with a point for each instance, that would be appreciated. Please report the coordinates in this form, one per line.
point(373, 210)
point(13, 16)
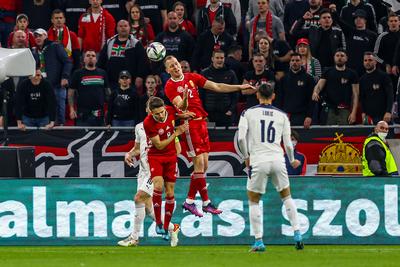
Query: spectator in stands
point(265, 21)
point(39, 12)
point(21, 24)
point(19, 40)
point(184, 23)
point(324, 39)
point(59, 32)
point(233, 61)
point(9, 86)
point(91, 85)
point(294, 10)
point(358, 39)
point(152, 89)
point(309, 63)
point(311, 16)
point(36, 103)
point(385, 54)
point(95, 27)
point(55, 67)
point(185, 66)
point(139, 28)
point(189, 7)
point(235, 6)
point(213, 39)
point(377, 159)
point(154, 10)
point(294, 93)
point(73, 10)
point(353, 5)
point(178, 43)
point(123, 105)
point(9, 11)
point(276, 7)
point(302, 168)
point(216, 9)
point(264, 47)
point(260, 75)
point(220, 107)
point(376, 93)
point(340, 89)
point(123, 52)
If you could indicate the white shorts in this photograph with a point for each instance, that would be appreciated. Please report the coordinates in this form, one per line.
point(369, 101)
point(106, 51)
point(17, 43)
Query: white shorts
point(144, 183)
point(259, 173)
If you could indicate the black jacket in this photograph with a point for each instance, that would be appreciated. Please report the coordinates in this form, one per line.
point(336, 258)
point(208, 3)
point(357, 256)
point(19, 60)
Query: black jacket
point(203, 22)
point(347, 14)
point(219, 102)
point(179, 44)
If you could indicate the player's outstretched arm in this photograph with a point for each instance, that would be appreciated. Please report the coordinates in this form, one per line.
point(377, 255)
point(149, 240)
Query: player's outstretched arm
point(227, 88)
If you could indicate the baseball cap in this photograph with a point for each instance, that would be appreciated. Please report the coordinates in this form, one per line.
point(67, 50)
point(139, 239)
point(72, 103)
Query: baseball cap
point(124, 73)
point(359, 13)
point(40, 31)
point(303, 41)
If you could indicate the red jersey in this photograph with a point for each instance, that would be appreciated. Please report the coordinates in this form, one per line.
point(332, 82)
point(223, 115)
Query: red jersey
point(193, 81)
point(162, 129)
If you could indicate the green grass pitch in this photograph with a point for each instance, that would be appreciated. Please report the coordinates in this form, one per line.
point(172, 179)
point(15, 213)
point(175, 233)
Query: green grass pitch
point(203, 256)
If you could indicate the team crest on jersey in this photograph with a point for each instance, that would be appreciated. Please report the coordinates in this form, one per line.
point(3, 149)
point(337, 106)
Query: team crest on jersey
point(180, 89)
point(160, 131)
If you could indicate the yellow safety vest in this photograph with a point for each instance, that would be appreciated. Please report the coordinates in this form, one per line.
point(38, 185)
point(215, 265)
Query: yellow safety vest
point(390, 163)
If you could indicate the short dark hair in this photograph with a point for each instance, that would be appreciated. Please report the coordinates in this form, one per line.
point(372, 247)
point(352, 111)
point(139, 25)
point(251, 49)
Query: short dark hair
point(324, 11)
point(57, 11)
point(258, 54)
point(341, 50)
point(295, 54)
point(218, 51)
point(369, 53)
point(155, 102)
point(391, 14)
point(89, 50)
point(295, 135)
point(234, 48)
point(266, 90)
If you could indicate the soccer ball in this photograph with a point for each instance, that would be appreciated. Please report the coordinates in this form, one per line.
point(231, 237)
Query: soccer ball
point(156, 51)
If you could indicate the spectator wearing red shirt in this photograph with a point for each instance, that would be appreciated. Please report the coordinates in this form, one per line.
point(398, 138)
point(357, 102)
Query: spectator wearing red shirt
point(95, 27)
point(60, 33)
point(139, 28)
point(9, 10)
point(184, 23)
point(22, 23)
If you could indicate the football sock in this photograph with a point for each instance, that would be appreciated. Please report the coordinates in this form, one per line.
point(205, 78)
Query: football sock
point(140, 213)
point(291, 212)
point(157, 201)
point(255, 219)
point(201, 186)
point(192, 188)
point(169, 210)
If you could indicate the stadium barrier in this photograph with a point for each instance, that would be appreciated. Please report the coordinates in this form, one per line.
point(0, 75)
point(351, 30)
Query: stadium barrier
point(96, 152)
point(332, 210)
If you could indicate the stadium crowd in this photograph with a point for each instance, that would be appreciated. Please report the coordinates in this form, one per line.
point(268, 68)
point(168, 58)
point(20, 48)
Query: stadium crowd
point(331, 62)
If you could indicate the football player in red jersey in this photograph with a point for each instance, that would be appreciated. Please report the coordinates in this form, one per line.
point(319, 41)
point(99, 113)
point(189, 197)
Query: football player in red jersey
point(176, 88)
point(159, 126)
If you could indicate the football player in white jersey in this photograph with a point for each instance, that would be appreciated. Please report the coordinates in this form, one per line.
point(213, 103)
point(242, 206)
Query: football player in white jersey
point(143, 197)
point(261, 130)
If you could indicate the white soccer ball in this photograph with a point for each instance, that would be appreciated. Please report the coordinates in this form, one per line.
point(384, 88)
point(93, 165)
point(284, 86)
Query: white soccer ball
point(156, 51)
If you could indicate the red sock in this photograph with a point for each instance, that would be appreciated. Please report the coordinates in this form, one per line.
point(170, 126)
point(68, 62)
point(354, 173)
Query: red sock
point(169, 210)
point(157, 201)
point(193, 185)
point(202, 187)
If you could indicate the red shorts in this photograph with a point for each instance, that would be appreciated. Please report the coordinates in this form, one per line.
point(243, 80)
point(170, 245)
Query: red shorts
point(163, 166)
point(197, 140)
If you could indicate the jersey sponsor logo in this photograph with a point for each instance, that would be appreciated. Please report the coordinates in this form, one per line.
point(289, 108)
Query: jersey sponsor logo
point(343, 81)
point(160, 131)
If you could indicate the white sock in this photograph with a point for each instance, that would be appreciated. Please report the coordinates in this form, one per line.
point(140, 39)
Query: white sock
point(140, 213)
point(171, 227)
point(189, 201)
point(255, 219)
point(291, 211)
point(205, 203)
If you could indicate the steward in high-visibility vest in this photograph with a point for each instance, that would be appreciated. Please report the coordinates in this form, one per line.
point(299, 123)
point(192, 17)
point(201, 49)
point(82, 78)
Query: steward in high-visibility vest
point(377, 159)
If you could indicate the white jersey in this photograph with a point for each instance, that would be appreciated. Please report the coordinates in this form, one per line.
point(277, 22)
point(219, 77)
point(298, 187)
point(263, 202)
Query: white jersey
point(140, 137)
point(261, 130)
